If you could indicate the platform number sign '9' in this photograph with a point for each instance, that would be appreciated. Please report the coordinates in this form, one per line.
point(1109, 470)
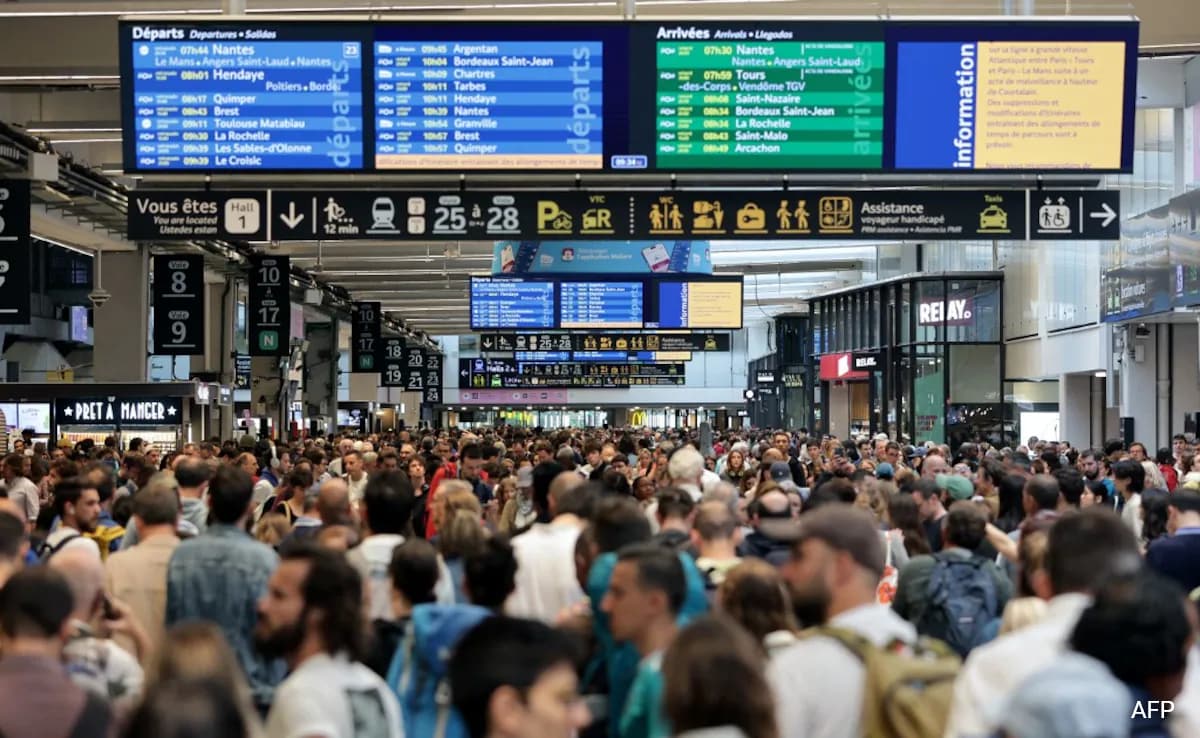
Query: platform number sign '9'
point(392, 374)
point(179, 304)
point(365, 339)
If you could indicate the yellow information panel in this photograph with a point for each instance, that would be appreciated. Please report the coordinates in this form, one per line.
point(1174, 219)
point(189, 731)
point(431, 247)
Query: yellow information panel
point(1050, 105)
point(715, 304)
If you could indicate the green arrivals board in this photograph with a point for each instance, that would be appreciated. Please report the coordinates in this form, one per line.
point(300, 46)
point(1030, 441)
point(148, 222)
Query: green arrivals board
point(769, 105)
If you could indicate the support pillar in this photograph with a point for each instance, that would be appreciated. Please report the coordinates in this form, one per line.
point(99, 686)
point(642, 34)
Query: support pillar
point(320, 367)
point(122, 324)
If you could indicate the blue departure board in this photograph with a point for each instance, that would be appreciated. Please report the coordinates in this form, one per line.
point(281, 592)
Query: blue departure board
point(601, 305)
point(489, 105)
point(243, 97)
point(512, 303)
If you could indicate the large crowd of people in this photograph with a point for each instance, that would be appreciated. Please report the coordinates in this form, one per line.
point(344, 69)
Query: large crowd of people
point(617, 583)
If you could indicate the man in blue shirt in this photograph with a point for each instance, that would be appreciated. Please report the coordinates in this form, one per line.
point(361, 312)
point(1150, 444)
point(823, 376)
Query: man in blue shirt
point(220, 576)
point(1178, 556)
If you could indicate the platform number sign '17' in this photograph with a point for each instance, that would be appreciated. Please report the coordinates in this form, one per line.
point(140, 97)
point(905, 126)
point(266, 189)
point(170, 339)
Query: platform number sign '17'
point(270, 306)
point(179, 304)
point(392, 374)
point(365, 338)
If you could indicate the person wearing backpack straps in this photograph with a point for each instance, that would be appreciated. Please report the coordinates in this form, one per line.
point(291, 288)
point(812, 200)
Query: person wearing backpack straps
point(864, 671)
point(77, 505)
point(955, 595)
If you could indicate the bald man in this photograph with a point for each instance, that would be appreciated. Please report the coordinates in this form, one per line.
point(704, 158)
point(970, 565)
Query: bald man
point(333, 503)
point(93, 660)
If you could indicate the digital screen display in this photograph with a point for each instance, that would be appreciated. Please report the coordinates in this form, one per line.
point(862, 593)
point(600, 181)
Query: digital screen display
point(11, 418)
point(1022, 98)
point(235, 97)
point(79, 323)
point(489, 105)
point(35, 415)
point(699, 305)
point(770, 105)
point(601, 305)
point(512, 303)
point(628, 96)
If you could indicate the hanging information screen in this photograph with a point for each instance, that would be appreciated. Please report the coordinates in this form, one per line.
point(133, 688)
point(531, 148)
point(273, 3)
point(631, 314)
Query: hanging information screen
point(590, 96)
point(178, 304)
point(601, 305)
point(795, 104)
point(365, 339)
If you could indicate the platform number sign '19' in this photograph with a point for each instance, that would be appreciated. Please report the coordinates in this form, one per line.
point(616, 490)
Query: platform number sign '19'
point(270, 306)
point(392, 374)
point(179, 304)
point(365, 339)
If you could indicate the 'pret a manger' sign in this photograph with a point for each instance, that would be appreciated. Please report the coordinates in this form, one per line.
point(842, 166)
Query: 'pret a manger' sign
point(156, 411)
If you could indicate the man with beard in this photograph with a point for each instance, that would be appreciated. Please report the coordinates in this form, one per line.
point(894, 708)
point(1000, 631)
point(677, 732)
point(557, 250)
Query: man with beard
point(312, 618)
point(833, 574)
point(77, 504)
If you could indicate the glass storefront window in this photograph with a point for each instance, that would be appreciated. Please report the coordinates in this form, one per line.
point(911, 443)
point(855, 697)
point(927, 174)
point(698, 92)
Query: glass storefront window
point(975, 374)
point(929, 398)
point(931, 311)
point(981, 300)
point(905, 313)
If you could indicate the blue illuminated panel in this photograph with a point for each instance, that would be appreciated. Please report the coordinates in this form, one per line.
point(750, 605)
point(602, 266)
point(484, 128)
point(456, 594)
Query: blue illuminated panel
point(602, 305)
point(511, 303)
point(494, 104)
point(243, 98)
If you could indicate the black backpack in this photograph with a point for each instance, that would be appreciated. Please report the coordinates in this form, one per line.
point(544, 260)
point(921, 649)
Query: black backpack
point(963, 608)
point(45, 551)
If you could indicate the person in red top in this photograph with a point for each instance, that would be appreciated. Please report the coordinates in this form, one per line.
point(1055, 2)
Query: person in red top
point(1166, 464)
point(470, 470)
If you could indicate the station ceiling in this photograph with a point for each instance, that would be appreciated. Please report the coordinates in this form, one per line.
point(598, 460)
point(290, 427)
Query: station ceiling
point(59, 80)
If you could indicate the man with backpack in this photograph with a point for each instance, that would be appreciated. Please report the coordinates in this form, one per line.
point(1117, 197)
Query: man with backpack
point(77, 505)
point(955, 595)
point(865, 672)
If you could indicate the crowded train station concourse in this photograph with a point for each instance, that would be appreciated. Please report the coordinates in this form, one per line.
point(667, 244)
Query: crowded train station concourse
point(599, 369)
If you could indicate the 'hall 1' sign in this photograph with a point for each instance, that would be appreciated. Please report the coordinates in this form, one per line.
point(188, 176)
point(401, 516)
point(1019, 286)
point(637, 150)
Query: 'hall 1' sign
point(120, 412)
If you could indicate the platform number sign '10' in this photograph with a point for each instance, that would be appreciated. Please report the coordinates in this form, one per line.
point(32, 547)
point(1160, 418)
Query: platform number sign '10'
point(270, 306)
point(392, 374)
point(179, 304)
point(365, 338)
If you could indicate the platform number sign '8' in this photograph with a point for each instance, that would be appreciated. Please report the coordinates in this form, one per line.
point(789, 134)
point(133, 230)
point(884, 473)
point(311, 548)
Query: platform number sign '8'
point(179, 305)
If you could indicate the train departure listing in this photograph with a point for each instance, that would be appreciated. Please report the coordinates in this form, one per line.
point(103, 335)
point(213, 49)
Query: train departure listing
point(239, 102)
point(489, 105)
point(769, 104)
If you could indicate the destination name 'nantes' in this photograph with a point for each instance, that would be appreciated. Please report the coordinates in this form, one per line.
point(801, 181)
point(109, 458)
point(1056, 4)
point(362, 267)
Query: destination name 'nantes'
point(691, 33)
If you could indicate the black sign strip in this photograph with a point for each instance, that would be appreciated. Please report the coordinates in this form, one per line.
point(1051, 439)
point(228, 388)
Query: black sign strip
point(185, 215)
point(392, 374)
point(16, 258)
point(179, 304)
point(366, 340)
point(270, 307)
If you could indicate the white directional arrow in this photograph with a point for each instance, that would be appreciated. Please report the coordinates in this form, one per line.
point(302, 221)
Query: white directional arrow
point(291, 219)
point(1105, 214)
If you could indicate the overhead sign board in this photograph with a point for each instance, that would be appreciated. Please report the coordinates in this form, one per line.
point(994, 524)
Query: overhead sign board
point(125, 411)
point(414, 368)
point(366, 321)
point(270, 305)
point(15, 257)
point(765, 376)
point(174, 215)
point(671, 216)
point(585, 341)
point(521, 95)
point(241, 376)
point(178, 304)
point(866, 362)
point(392, 371)
point(508, 374)
point(431, 392)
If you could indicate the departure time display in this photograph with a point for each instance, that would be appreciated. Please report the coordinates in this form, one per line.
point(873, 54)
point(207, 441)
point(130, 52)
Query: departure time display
point(240, 98)
point(524, 96)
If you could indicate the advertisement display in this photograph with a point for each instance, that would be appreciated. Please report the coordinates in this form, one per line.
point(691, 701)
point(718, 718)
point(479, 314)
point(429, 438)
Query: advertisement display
point(605, 257)
point(1156, 269)
point(569, 95)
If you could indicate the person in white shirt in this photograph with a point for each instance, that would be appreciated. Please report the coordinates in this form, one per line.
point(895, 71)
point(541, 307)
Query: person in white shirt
point(78, 507)
point(19, 488)
point(318, 631)
point(1083, 551)
point(546, 579)
point(355, 475)
point(835, 568)
point(1129, 477)
point(388, 504)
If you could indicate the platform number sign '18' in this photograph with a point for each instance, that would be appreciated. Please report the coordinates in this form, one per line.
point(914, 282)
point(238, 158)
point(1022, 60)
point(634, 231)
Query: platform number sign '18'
point(270, 306)
point(392, 374)
point(179, 304)
point(365, 338)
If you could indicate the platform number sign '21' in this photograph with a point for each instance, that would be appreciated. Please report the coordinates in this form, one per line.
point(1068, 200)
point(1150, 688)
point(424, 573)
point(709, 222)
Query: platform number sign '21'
point(414, 369)
point(179, 304)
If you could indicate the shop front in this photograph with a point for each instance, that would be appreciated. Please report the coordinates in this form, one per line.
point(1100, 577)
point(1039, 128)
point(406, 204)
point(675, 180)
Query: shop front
point(918, 357)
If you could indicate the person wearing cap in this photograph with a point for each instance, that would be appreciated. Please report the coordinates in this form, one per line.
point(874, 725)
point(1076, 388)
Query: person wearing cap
point(963, 530)
point(519, 512)
point(833, 574)
point(885, 472)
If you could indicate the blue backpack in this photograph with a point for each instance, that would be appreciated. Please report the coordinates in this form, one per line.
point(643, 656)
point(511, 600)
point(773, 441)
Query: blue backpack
point(418, 674)
point(963, 606)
